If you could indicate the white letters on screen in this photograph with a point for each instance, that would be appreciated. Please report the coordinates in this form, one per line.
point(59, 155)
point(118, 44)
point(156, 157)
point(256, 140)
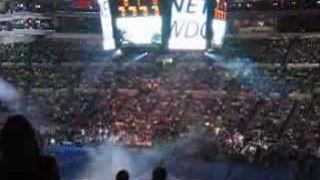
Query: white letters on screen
point(188, 25)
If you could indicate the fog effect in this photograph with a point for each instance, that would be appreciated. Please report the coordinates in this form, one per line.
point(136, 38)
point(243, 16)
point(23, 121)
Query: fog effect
point(10, 96)
point(107, 159)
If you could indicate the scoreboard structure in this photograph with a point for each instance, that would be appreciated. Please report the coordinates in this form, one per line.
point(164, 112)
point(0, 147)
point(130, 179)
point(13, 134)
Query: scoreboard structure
point(169, 24)
point(107, 25)
point(135, 8)
point(219, 22)
point(138, 22)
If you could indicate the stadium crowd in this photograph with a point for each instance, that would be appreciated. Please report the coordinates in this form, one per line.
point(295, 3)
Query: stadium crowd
point(262, 102)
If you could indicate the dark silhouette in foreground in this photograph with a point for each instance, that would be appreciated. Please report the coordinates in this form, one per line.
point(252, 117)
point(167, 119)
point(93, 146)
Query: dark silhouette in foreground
point(159, 173)
point(122, 175)
point(21, 158)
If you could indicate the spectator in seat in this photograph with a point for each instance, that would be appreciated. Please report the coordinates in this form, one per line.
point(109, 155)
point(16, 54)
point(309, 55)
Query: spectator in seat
point(159, 173)
point(122, 175)
point(21, 158)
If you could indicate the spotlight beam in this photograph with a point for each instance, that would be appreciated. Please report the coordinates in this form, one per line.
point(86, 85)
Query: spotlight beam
point(139, 57)
point(214, 57)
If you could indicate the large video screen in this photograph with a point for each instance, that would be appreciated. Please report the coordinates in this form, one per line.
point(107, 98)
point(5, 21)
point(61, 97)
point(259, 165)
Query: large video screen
point(219, 30)
point(188, 25)
point(219, 23)
point(106, 23)
point(138, 22)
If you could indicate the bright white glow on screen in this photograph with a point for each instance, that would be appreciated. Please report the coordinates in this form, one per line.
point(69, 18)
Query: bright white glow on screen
point(105, 16)
point(219, 30)
point(140, 30)
point(188, 25)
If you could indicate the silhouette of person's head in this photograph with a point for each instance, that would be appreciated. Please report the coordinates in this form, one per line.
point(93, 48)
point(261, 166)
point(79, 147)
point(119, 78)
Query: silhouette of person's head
point(18, 140)
point(122, 175)
point(20, 153)
point(159, 173)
